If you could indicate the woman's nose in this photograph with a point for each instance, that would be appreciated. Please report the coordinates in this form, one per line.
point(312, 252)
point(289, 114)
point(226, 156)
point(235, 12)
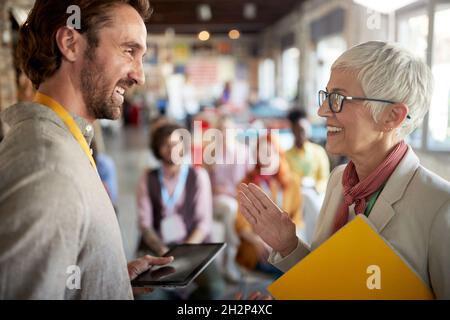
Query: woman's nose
point(324, 110)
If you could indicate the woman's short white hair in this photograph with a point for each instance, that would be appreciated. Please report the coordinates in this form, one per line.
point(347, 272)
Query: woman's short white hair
point(389, 72)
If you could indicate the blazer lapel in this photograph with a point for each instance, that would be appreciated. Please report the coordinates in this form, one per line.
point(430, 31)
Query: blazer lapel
point(328, 211)
point(383, 210)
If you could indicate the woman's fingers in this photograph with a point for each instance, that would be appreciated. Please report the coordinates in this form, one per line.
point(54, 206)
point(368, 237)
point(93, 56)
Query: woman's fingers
point(256, 202)
point(247, 209)
point(138, 291)
point(255, 296)
point(261, 196)
point(247, 215)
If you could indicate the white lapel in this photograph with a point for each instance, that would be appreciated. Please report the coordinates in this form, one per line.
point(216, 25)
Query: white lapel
point(382, 212)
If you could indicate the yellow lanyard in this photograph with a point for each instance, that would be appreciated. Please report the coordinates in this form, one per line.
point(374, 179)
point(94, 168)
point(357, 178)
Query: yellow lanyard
point(68, 120)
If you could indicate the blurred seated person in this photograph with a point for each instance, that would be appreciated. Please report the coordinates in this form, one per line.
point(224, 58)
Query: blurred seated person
point(283, 188)
point(175, 206)
point(226, 174)
point(309, 161)
point(226, 93)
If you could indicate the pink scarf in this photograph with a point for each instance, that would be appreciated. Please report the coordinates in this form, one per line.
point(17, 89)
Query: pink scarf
point(357, 192)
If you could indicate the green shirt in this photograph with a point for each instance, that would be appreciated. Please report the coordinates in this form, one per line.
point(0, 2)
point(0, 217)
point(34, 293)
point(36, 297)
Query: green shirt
point(372, 200)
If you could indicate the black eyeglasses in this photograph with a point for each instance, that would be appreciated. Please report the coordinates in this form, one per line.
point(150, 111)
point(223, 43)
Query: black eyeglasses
point(336, 100)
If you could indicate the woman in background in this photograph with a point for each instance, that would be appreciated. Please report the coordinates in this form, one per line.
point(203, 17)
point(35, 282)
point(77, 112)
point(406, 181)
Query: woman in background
point(283, 188)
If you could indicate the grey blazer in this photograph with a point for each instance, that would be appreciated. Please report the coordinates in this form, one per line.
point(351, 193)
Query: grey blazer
point(412, 213)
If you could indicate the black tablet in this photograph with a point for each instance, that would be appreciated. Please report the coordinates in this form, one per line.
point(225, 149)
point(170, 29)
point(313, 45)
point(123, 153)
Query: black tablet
point(189, 261)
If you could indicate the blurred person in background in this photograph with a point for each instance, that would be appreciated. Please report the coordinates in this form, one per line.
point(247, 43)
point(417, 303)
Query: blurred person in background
point(225, 177)
point(174, 205)
point(226, 93)
point(107, 172)
point(190, 101)
point(283, 188)
point(309, 161)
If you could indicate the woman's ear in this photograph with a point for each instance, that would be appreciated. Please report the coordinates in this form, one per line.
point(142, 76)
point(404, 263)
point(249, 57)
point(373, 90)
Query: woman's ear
point(70, 42)
point(393, 116)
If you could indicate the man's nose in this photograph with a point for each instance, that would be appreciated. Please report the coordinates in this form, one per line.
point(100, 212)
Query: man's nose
point(137, 74)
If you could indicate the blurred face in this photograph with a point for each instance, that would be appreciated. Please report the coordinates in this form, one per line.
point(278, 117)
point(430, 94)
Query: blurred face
point(299, 134)
point(115, 66)
point(223, 127)
point(165, 151)
point(267, 158)
point(353, 130)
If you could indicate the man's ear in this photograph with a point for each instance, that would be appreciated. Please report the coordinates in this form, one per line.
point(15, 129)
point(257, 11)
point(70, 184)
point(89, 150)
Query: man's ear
point(393, 116)
point(70, 42)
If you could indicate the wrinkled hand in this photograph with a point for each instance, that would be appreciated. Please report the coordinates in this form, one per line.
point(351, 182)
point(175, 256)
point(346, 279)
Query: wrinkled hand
point(268, 221)
point(263, 250)
point(136, 267)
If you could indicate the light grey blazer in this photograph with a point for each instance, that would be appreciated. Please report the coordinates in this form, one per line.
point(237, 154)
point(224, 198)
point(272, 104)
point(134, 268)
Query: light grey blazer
point(412, 213)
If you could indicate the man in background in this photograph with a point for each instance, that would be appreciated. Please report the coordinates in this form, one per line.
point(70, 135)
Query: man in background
point(309, 161)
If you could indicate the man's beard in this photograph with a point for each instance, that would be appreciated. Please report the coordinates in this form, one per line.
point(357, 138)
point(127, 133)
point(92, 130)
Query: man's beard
point(96, 90)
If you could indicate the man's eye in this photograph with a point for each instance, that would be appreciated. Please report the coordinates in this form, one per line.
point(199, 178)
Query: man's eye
point(130, 51)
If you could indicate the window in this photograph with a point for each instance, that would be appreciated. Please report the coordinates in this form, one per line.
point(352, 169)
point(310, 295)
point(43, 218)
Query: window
point(439, 117)
point(412, 34)
point(290, 73)
point(266, 79)
point(328, 50)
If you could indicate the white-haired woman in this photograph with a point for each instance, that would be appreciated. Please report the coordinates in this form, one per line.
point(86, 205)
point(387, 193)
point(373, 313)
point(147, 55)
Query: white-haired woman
point(377, 94)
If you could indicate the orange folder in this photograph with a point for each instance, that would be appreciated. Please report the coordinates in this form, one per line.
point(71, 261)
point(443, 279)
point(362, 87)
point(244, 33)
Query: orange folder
point(356, 263)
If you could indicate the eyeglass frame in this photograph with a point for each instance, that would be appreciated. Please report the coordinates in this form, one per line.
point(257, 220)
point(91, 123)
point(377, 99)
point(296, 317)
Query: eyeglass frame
point(328, 94)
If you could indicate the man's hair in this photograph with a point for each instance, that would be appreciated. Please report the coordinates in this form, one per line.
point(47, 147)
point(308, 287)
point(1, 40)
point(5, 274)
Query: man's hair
point(160, 135)
point(388, 71)
point(38, 53)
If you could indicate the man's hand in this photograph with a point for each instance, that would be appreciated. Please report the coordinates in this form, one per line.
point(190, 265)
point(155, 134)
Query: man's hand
point(136, 267)
point(268, 221)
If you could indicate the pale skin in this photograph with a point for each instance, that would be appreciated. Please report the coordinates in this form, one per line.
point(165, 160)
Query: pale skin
point(363, 140)
point(122, 45)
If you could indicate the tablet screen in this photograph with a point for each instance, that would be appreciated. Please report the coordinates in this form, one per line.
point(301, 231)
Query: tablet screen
point(190, 260)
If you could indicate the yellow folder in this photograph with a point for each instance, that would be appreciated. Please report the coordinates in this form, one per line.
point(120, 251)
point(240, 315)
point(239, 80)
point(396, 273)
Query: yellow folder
point(355, 263)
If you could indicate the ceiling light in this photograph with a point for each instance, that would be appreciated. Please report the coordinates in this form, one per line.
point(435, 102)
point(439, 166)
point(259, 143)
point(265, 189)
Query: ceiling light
point(234, 34)
point(203, 35)
point(204, 12)
point(250, 11)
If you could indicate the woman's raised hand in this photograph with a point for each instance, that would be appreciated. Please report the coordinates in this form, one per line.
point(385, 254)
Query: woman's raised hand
point(270, 222)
